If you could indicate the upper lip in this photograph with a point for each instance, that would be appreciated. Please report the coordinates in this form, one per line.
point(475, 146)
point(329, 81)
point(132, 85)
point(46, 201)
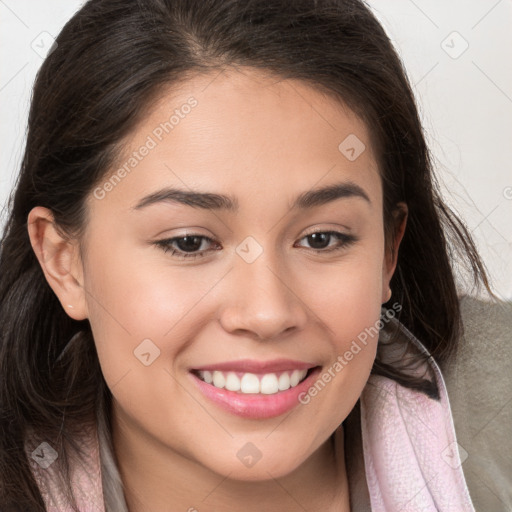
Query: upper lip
point(253, 366)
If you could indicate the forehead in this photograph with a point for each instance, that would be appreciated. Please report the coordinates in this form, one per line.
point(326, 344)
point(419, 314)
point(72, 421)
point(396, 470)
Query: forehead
point(246, 133)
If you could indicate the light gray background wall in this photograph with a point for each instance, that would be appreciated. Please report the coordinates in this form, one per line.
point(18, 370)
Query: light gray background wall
point(458, 55)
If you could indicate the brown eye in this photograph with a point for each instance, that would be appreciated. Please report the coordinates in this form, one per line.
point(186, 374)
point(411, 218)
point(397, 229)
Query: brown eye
point(189, 243)
point(320, 240)
point(185, 246)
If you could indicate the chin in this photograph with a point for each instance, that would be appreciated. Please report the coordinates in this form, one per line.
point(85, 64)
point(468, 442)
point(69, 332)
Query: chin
point(250, 466)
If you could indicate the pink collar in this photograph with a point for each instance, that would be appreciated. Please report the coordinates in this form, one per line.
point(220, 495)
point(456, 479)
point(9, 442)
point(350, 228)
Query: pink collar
point(411, 457)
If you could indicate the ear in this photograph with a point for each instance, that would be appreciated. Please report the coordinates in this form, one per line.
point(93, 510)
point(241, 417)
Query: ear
point(391, 254)
point(59, 257)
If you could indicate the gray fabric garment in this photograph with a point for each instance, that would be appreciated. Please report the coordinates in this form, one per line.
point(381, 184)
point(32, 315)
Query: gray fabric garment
point(479, 384)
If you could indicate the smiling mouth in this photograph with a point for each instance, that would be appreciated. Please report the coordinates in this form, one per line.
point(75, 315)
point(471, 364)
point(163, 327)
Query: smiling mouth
point(254, 383)
point(255, 395)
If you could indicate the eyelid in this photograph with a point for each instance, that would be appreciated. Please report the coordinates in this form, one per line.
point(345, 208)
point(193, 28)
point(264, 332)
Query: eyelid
point(345, 239)
point(336, 229)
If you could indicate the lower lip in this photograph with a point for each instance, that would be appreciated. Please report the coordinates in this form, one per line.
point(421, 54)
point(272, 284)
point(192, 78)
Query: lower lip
point(256, 406)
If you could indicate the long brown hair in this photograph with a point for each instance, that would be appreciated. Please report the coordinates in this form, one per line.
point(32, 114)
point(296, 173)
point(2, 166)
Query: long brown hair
point(111, 61)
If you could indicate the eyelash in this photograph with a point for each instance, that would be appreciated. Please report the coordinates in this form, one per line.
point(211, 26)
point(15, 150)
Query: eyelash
point(165, 245)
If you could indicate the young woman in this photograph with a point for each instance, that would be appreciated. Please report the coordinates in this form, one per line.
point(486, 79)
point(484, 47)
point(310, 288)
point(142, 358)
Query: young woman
point(225, 280)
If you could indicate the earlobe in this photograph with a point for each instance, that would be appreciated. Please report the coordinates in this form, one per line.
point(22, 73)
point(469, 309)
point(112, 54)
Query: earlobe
point(59, 258)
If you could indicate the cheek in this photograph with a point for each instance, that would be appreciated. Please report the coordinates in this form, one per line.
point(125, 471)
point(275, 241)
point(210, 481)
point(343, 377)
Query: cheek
point(347, 295)
point(352, 319)
point(131, 288)
point(141, 316)
point(347, 298)
point(131, 299)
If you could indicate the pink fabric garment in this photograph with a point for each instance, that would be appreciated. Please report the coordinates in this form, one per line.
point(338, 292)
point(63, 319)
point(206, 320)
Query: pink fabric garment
point(411, 460)
point(410, 452)
point(85, 477)
point(411, 455)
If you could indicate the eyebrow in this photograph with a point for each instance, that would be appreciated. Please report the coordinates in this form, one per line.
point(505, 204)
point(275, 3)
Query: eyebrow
point(213, 201)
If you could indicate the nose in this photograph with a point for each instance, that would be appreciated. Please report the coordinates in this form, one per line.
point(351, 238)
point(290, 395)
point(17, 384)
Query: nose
point(261, 301)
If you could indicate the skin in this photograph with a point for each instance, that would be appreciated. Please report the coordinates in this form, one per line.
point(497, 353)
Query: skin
point(264, 141)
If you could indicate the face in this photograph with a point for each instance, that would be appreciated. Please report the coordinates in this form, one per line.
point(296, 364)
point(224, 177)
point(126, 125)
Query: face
point(273, 289)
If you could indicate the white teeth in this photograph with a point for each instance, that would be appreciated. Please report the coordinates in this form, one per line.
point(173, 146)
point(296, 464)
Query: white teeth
point(250, 383)
point(284, 382)
point(269, 385)
point(295, 377)
point(218, 380)
point(232, 382)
